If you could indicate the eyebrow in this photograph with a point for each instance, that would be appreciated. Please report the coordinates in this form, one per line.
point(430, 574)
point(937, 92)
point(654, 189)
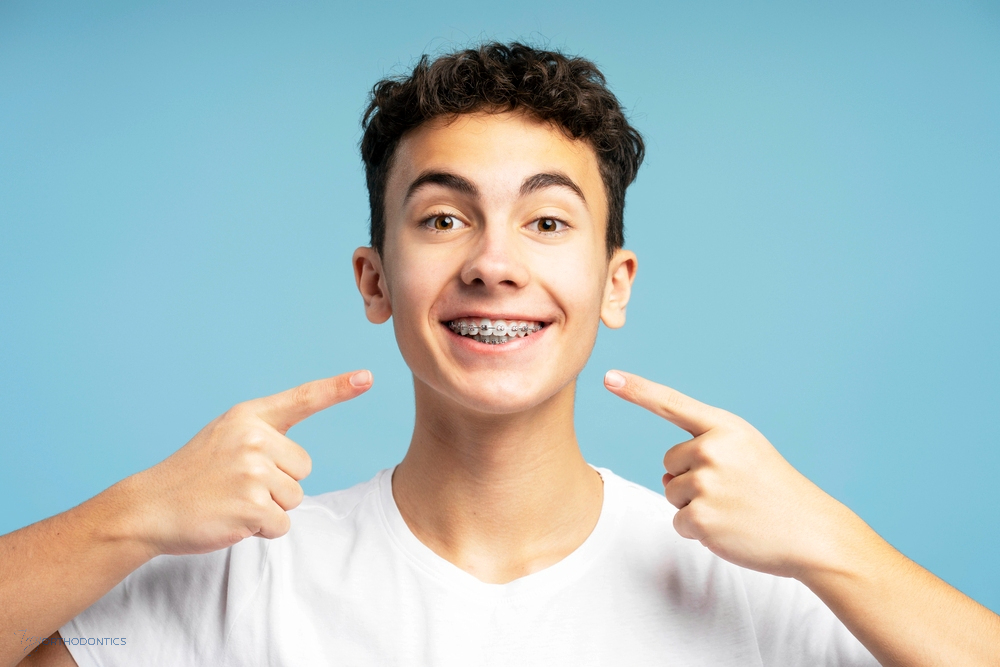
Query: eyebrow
point(548, 180)
point(444, 179)
point(467, 187)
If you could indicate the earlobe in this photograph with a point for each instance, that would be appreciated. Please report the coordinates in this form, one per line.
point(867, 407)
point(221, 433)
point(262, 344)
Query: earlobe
point(618, 288)
point(370, 279)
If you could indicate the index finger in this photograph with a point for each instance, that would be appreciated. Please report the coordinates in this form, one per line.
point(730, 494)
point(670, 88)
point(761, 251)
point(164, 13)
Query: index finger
point(691, 415)
point(286, 409)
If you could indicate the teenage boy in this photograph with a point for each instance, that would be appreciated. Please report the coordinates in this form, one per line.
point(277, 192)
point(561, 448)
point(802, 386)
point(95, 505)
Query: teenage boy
point(497, 179)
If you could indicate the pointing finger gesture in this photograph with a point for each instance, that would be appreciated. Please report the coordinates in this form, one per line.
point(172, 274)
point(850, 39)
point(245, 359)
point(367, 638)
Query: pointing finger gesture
point(734, 492)
point(239, 475)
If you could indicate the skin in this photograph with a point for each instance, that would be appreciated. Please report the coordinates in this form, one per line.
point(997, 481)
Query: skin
point(478, 485)
point(745, 503)
point(235, 479)
point(493, 480)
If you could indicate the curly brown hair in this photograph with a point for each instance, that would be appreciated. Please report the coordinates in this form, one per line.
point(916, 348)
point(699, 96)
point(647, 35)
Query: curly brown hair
point(568, 91)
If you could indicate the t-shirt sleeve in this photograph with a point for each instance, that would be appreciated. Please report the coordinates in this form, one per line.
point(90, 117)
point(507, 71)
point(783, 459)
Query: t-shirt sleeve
point(173, 610)
point(795, 627)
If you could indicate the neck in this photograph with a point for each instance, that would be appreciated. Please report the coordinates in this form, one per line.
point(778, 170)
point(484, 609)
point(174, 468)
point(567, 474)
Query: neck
point(500, 496)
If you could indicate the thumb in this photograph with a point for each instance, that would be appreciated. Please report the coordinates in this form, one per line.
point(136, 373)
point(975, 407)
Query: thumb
point(288, 408)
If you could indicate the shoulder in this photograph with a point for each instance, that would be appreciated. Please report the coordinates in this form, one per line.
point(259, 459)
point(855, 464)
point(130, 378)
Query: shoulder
point(638, 503)
point(329, 522)
point(646, 540)
point(643, 519)
point(339, 505)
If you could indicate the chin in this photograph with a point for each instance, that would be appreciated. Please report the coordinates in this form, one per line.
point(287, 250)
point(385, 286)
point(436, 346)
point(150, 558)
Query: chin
point(503, 397)
point(499, 406)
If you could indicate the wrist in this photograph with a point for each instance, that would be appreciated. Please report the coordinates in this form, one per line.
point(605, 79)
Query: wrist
point(845, 549)
point(119, 520)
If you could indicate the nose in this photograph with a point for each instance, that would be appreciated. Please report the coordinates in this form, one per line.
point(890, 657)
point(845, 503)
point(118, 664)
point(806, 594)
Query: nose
point(495, 260)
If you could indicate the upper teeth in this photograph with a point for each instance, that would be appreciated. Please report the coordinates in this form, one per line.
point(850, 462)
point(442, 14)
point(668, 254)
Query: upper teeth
point(468, 326)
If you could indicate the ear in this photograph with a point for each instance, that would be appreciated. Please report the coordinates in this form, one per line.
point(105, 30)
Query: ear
point(618, 289)
point(370, 279)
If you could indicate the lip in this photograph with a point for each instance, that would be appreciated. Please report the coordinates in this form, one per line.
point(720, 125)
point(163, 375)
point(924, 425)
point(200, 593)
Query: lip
point(479, 315)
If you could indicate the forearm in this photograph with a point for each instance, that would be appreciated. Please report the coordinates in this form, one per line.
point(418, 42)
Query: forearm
point(52, 570)
point(901, 612)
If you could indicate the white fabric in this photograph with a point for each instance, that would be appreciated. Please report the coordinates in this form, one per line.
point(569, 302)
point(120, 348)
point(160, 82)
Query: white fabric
point(351, 585)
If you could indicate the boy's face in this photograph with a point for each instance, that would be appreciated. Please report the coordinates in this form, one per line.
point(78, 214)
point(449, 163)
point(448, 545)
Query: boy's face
point(498, 217)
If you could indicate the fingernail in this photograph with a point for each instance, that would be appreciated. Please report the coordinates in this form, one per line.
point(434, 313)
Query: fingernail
point(361, 379)
point(614, 379)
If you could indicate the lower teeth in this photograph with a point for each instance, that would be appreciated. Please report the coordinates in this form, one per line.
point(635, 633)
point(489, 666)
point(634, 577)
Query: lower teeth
point(491, 340)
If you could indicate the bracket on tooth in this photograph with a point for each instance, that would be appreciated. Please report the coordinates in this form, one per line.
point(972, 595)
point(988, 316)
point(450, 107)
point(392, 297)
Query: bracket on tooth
point(498, 329)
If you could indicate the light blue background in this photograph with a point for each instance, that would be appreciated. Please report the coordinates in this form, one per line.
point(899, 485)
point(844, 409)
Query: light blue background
point(817, 226)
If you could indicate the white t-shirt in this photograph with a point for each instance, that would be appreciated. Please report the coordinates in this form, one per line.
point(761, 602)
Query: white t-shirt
point(349, 584)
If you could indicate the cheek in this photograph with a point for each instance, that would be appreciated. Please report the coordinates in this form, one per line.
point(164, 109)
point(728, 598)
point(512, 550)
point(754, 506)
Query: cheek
point(415, 284)
point(577, 282)
point(410, 300)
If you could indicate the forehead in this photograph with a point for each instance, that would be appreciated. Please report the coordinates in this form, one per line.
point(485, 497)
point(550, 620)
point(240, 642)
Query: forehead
point(497, 152)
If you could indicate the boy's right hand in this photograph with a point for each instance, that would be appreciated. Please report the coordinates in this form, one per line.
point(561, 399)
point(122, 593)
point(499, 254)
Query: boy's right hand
point(237, 477)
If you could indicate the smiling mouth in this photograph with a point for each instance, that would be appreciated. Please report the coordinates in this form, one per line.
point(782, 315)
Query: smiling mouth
point(493, 332)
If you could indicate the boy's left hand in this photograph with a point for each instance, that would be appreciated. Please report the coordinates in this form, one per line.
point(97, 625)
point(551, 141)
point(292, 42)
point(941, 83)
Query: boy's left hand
point(735, 493)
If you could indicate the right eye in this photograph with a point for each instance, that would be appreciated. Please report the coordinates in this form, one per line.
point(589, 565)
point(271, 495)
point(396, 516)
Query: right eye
point(444, 223)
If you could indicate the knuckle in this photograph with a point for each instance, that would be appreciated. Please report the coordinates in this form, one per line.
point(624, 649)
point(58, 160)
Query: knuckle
point(680, 524)
point(260, 498)
point(671, 402)
point(632, 390)
point(304, 395)
point(255, 510)
point(297, 495)
point(255, 440)
point(707, 483)
point(342, 385)
point(676, 457)
point(697, 484)
point(284, 523)
point(238, 412)
point(710, 543)
point(696, 519)
point(733, 421)
point(253, 517)
point(706, 453)
point(240, 534)
point(262, 472)
point(254, 469)
point(276, 526)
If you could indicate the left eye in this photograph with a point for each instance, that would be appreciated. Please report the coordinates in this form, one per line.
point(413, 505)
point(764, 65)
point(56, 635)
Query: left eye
point(549, 225)
point(444, 222)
